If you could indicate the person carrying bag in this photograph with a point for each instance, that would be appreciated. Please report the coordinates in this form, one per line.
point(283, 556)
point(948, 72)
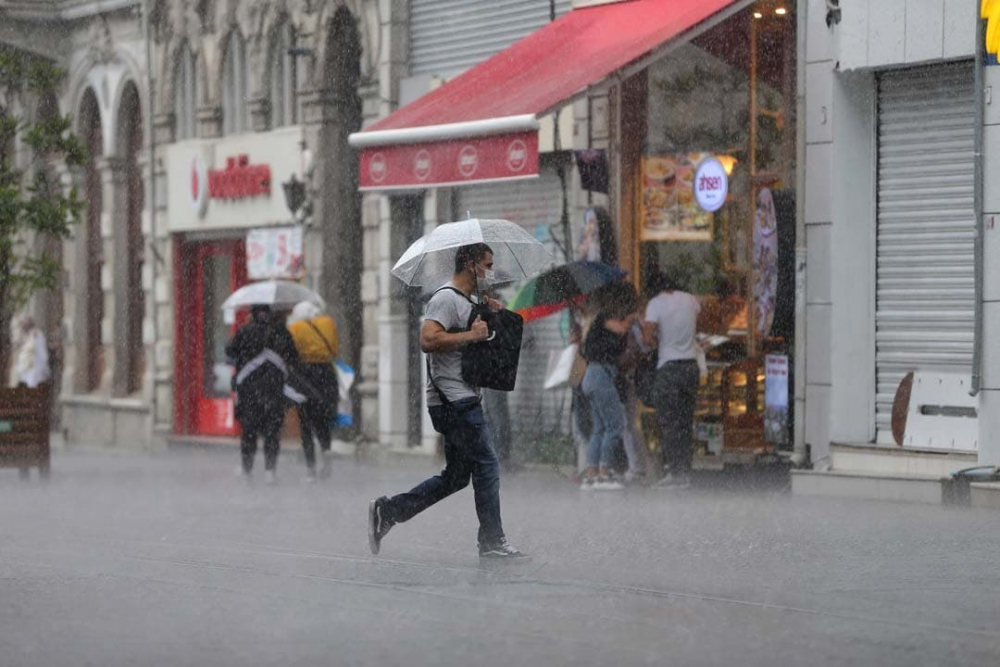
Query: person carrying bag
point(315, 381)
point(455, 329)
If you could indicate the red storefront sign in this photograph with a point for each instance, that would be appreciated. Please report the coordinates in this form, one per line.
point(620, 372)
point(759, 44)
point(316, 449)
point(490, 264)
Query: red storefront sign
point(239, 180)
point(473, 160)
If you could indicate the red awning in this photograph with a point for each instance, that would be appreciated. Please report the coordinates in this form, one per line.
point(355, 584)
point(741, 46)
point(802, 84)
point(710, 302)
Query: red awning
point(482, 125)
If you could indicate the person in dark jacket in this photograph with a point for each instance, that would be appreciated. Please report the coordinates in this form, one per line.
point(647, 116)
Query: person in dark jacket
point(264, 353)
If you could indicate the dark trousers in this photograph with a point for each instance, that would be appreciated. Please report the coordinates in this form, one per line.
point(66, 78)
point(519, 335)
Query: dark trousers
point(467, 454)
point(270, 429)
point(314, 421)
point(676, 398)
point(320, 384)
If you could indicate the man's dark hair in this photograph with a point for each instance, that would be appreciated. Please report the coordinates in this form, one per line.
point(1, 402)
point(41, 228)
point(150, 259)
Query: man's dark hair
point(470, 253)
point(662, 281)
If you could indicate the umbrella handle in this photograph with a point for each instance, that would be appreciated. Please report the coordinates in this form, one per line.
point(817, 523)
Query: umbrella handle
point(492, 335)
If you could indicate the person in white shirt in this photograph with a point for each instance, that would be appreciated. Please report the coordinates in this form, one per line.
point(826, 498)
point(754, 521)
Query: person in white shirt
point(31, 355)
point(670, 326)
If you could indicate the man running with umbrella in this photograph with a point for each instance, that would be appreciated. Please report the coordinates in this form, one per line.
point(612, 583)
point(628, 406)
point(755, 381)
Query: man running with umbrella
point(455, 412)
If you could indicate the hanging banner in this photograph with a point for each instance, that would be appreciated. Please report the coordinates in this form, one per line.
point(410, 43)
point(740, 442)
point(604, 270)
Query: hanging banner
point(776, 399)
point(765, 262)
point(275, 253)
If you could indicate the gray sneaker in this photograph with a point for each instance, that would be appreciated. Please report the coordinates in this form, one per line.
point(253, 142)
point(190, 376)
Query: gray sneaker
point(378, 524)
point(501, 551)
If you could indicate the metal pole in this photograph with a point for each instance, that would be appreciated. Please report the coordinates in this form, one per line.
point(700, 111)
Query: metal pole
point(799, 361)
point(977, 340)
point(752, 342)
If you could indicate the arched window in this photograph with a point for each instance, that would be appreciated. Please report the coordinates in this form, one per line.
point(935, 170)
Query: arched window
point(90, 304)
point(282, 77)
point(130, 353)
point(185, 94)
point(235, 75)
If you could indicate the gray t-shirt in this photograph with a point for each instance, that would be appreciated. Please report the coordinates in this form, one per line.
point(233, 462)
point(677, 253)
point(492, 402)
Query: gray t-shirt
point(451, 311)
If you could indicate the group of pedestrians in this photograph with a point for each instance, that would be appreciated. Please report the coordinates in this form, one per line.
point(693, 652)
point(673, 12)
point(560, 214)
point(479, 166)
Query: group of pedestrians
point(281, 362)
point(615, 338)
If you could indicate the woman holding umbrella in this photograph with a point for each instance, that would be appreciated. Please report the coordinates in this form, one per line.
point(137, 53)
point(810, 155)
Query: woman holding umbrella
point(263, 352)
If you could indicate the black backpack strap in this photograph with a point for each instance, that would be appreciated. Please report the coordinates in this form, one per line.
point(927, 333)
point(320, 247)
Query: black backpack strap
point(444, 399)
point(456, 291)
point(427, 357)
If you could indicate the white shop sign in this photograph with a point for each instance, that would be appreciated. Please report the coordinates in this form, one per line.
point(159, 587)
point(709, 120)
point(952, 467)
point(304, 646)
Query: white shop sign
point(232, 182)
point(711, 184)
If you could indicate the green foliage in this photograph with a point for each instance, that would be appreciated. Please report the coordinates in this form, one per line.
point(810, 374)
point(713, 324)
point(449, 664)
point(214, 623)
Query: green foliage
point(33, 204)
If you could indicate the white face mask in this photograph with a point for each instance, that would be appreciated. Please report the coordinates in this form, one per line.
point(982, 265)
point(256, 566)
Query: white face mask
point(488, 278)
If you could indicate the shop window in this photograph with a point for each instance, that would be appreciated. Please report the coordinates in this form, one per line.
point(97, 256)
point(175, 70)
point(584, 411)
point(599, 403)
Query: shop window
point(727, 95)
point(185, 94)
point(90, 309)
point(133, 352)
point(283, 76)
point(235, 77)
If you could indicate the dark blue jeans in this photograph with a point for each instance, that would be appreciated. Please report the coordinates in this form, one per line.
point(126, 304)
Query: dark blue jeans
point(467, 454)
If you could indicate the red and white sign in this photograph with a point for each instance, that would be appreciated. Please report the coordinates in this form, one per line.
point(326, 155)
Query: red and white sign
point(711, 184)
point(377, 168)
point(239, 180)
point(422, 165)
point(472, 160)
point(275, 253)
point(468, 161)
point(199, 186)
point(517, 156)
point(232, 182)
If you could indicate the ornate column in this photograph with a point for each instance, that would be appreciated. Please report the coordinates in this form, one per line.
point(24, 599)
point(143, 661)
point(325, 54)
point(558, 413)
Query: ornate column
point(114, 275)
point(209, 122)
point(260, 114)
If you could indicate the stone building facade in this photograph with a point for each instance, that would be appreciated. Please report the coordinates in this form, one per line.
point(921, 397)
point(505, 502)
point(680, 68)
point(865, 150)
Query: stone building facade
point(215, 78)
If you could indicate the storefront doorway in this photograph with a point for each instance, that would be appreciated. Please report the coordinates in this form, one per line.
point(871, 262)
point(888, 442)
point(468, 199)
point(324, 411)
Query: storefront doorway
point(207, 272)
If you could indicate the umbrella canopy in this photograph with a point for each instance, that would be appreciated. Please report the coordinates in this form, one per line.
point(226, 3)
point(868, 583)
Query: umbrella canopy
point(430, 261)
point(555, 289)
point(277, 293)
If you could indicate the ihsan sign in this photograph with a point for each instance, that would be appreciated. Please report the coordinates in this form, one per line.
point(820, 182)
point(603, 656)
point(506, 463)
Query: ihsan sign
point(711, 185)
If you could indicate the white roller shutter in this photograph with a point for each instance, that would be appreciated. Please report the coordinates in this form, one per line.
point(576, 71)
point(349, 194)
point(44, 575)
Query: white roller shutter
point(926, 228)
point(536, 205)
point(449, 35)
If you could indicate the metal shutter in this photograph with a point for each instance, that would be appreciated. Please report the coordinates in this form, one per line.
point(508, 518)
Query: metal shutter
point(924, 308)
point(536, 205)
point(449, 35)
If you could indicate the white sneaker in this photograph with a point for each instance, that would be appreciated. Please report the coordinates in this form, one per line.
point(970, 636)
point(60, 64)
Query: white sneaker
point(608, 484)
point(587, 484)
point(242, 475)
point(270, 478)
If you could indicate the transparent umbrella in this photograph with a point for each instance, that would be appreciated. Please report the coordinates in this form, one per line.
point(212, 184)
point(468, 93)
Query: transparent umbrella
point(277, 293)
point(430, 261)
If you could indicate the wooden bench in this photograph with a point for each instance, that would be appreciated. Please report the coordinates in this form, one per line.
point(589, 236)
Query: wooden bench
point(24, 429)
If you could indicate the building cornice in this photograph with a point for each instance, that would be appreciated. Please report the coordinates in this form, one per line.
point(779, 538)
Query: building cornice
point(65, 10)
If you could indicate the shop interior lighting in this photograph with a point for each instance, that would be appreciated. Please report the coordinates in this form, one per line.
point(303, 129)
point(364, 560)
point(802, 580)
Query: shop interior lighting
point(758, 15)
point(780, 11)
point(728, 163)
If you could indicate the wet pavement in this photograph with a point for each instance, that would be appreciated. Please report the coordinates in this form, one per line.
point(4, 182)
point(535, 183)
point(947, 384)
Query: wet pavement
point(168, 559)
